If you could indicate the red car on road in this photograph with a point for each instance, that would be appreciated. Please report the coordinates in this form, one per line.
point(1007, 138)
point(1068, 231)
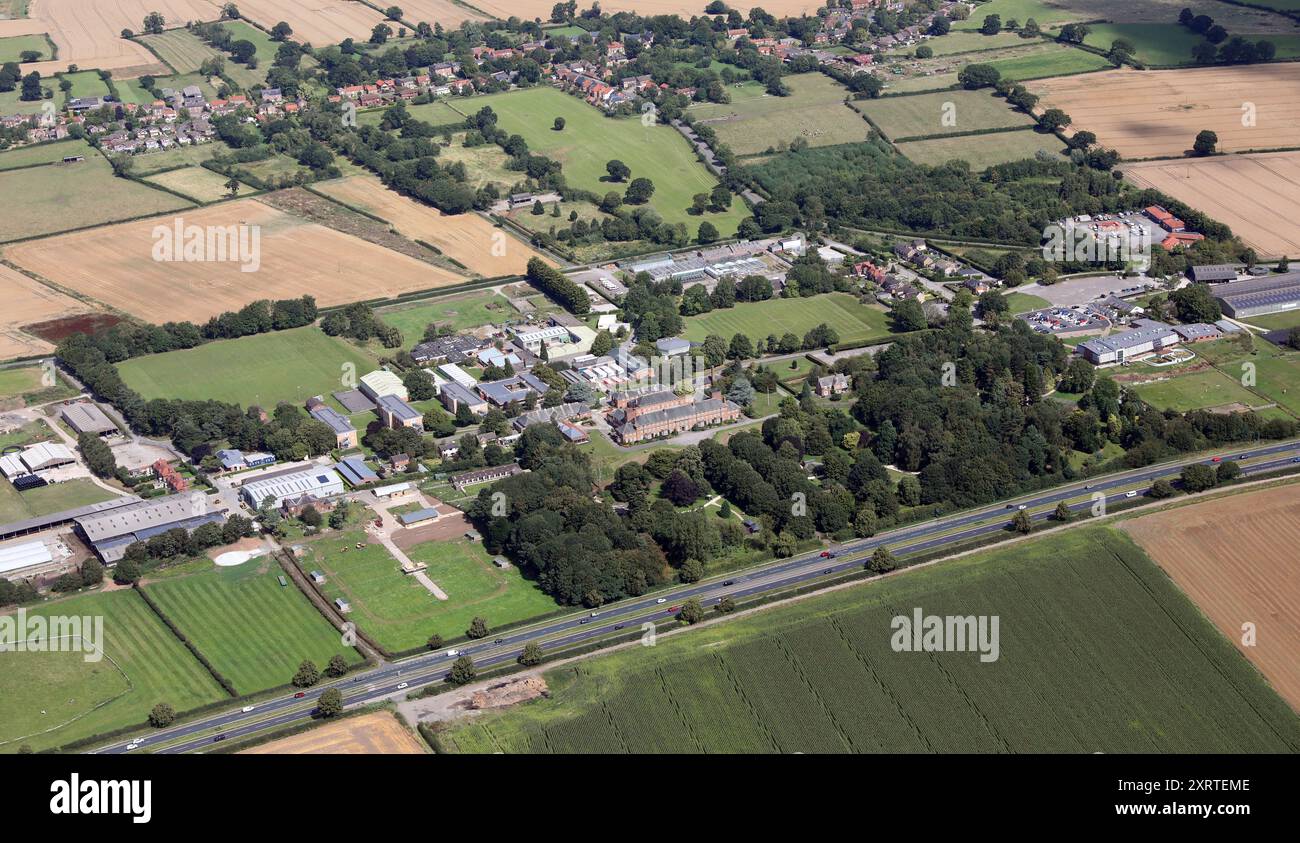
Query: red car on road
point(299, 695)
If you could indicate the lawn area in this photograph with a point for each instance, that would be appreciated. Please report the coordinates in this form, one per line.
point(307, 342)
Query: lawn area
point(12, 48)
point(10, 102)
point(853, 320)
point(941, 113)
point(981, 151)
point(86, 83)
point(143, 664)
point(132, 92)
point(400, 613)
point(754, 122)
point(47, 200)
point(254, 631)
point(590, 140)
point(1097, 651)
point(56, 497)
point(436, 113)
point(907, 85)
point(263, 369)
point(1271, 321)
point(1023, 302)
point(1196, 391)
point(460, 312)
point(42, 153)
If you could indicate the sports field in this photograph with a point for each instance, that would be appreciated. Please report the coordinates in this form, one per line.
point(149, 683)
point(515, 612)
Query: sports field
point(294, 257)
point(460, 312)
point(850, 318)
point(754, 122)
point(981, 151)
point(590, 140)
point(1198, 391)
point(1235, 558)
point(1258, 196)
point(940, 113)
point(143, 664)
point(1117, 105)
point(1097, 652)
point(468, 239)
point(400, 613)
point(47, 200)
point(254, 631)
point(263, 369)
point(56, 497)
point(20, 381)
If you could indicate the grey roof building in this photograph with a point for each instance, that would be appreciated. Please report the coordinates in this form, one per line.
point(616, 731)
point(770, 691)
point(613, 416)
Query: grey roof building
point(85, 417)
point(1148, 335)
point(1213, 273)
point(292, 483)
point(112, 531)
point(516, 388)
point(1260, 295)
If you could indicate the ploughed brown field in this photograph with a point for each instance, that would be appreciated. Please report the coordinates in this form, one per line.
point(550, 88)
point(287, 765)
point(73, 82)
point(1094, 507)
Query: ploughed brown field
point(317, 22)
point(1236, 557)
point(467, 238)
point(27, 302)
point(88, 33)
point(115, 264)
point(1157, 113)
point(1257, 196)
point(369, 734)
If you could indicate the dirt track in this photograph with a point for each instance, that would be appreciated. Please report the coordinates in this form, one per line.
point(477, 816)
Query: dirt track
point(1236, 558)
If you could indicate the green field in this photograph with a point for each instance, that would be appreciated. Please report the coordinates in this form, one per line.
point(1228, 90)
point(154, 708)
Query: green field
point(47, 200)
point(754, 122)
point(1098, 652)
point(56, 497)
point(10, 102)
point(438, 113)
point(1060, 60)
point(1156, 43)
point(940, 113)
point(180, 49)
point(42, 153)
point(981, 151)
point(1045, 14)
point(1023, 302)
point(966, 42)
point(144, 664)
point(13, 47)
point(132, 93)
point(590, 140)
point(1196, 391)
point(86, 83)
point(1271, 321)
point(400, 613)
point(20, 380)
point(198, 183)
point(263, 369)
point(853, 320)
point(460, 312)
point(181, 156)
point(254, 631)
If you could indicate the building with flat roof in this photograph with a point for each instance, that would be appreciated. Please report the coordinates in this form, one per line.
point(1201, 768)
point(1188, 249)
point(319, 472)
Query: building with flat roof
point(1260, 296)
point(395, 413)
point(86, 417)
point(312, 480)
point(517, 388)
point(454, 396)
point(345, 434)
point(382, 382)
point(1147, 336)
point(534, 339)
point(112, 531)
point(458, 375)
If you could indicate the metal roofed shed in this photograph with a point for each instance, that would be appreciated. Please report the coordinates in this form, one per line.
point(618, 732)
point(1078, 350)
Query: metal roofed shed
point(112, 531)
point(356, 472)
point(418, 516)
point(318, 481)
point(16, 557)
point(85, 417)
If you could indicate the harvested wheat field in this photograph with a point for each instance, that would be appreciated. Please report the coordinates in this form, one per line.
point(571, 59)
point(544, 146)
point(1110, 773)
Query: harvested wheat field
point(1236, 558)
point(114, 264)
point(1157, 113)
point(466, 238)
point(88, 33)
point(28, 302)
point(318, 22)
point(1258, 196)
point(529, 9)
point(444, 12)
point(379, 733)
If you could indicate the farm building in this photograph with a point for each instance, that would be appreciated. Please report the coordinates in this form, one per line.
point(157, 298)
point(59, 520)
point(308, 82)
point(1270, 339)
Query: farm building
point(233, 459)
point(85, 417)
point(344, 432)
point(1147, 336)
point(23, 556)
point(395, 413)
point(356, 472)
point(292, 483)
point(1260, 296)
point(1213, 273)
point(112, 531)
point(36, 458)
point(381, 382)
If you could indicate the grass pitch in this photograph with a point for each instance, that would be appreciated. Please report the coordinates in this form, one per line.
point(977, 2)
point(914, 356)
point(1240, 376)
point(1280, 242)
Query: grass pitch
point(853, 320)
point(263, 369)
